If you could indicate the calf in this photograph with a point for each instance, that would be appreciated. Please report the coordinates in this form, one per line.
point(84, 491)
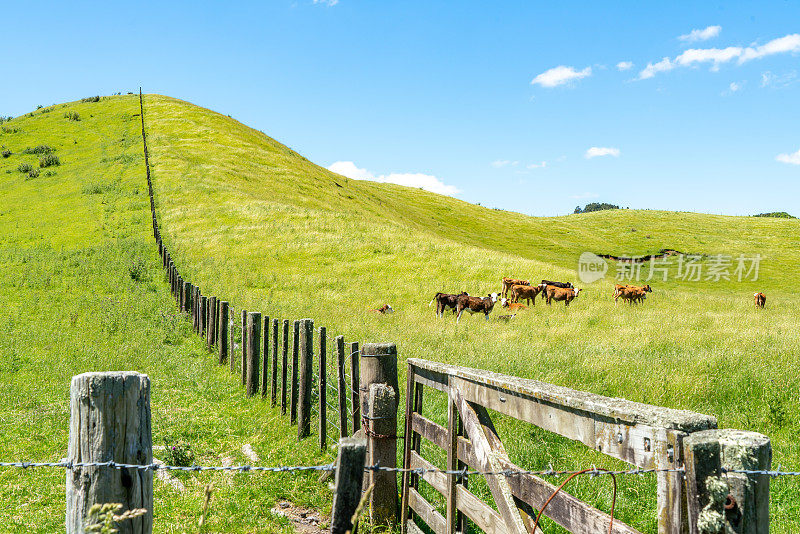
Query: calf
point(761, 299)
point(383, 309)
point(512, 306)
point(619, 288)
point(475, 305)
point(446, 300)
point(567, 294)
point(525, 292)
point(508, 282)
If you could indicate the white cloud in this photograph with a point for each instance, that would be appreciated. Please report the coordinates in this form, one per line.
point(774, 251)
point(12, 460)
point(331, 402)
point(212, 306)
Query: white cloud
point(701, 35)
point(624, 65)
point(410, 179)
point(596, 152)
point(560, 75)
point(329, 3)
point(504, 163)
point(718, 56)
point(541, 165)
point(791, 159)
point(733, 87)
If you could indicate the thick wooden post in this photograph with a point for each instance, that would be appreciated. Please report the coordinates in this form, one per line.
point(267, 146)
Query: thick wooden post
point(203, 315)
point(295, 360)
point(222, 328)
point(187, 296)
point(232, 339)
point(378, 366)
point(705, 489)
point(381, 415)
point(341, 384)
point(751, 451)
point(284, 365)
point(244, 347)
point(349, 478)
point(322, 386)
point(305, 378)
point(355, 384)
point(253, 352)
point(275, 332)
point(195, 306)
point(265, 360)
point(211, 329)
point(110, 421)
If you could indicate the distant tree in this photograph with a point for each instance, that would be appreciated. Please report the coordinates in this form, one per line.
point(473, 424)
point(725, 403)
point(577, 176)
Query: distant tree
point(596, 206)
point(578, 210)
point(776, 214)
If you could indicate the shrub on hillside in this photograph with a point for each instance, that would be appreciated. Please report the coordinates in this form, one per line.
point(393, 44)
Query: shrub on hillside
point(91, 99)
point(39, 150)
point(49, 160)
point(33, 173)
point(137, 270)
point(776, 214)
point(25, 167)
point(72, 115)
point(6, 153)
point(596, 206)
point(178, 453)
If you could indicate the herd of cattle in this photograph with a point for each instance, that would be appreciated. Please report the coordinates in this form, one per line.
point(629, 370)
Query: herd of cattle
point(522, 290)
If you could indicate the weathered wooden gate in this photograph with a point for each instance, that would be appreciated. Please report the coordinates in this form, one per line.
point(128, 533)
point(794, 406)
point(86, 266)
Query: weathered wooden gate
point(646, 436)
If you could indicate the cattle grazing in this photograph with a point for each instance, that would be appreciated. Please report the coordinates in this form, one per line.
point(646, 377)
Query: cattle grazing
point(761, 299)
point(525, 292)
point(383, 309)
point(557, 284)
point(475, 305)
point(508, 282)
point(567, 294)
point(512, 306)
point(633, 294)
point(446, 300)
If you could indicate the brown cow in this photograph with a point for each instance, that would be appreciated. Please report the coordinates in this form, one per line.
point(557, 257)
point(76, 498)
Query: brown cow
point(619, 288)
point(525, 292)
point(512, 306)
point(475, 305)
point(761, 299)
point(566, 294)
point(508, 282)
point(383, 309)
point(446, 300)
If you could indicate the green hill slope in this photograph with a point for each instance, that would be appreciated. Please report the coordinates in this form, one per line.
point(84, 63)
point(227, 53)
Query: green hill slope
point(248, 218)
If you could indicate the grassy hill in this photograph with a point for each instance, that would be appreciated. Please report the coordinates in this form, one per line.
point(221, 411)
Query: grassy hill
point(248, 218)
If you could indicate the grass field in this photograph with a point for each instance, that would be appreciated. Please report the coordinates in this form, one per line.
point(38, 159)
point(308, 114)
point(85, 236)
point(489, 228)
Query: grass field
point(249, 219)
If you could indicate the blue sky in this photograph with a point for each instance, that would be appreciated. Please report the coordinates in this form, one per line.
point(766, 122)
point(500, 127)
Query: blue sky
point(440, 94)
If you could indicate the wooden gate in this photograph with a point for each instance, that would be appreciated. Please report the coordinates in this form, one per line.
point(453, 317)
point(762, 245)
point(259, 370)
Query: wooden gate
point(645, 436)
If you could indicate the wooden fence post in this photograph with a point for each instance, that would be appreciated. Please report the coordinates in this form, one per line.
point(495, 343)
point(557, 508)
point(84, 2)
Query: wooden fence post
point(305, 378)
point(212, 326)
point(323, 388)
point(244, 347)
point(349, 478)
point(110, 421)
point(751, 451)
point(253, 351)
point(275, 333)
point(232, 341)
point(341, 384)
point(195, 306)
point(705, 489)
point(355, 384)
point(265, 361)
point(295, 377)
point(203, 315)
point(187, 291)
point(284, 365)
point(222, 328)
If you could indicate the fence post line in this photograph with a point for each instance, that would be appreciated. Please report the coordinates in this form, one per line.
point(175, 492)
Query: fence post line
point(341, 384)
point(284, 365)
point(253, 351)
point(355, 384)
point(305, 378)
point(295, 377)
point(265, 360)
point(275, 334)
point(244, 347)
point(380, 413)
point(349, 478)
point(222, 328)
point(110, 421)
point(323, 388)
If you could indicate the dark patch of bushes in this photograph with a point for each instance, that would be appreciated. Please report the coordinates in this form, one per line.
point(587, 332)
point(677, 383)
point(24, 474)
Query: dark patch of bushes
point(33, 173)
point(7, 153)
point(49, 160)
point(138, 270)
point(6, 129)
point(50, 173)
point(776, 214)
point(72, 115)
point(39, 107)
point(596, 206)
point(98, 188)
point(39, 150)
point(91, 99)
point(25, 167)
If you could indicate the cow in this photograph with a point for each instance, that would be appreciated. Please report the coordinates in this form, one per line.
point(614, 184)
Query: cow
point(475, 305)
point(508, 282)
point(446, 300)
point(557, 284)
point(383, 310)
point(761, 299)
point(619, 288)
point(528, 293)
point(512, 306)
point(567, 294)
